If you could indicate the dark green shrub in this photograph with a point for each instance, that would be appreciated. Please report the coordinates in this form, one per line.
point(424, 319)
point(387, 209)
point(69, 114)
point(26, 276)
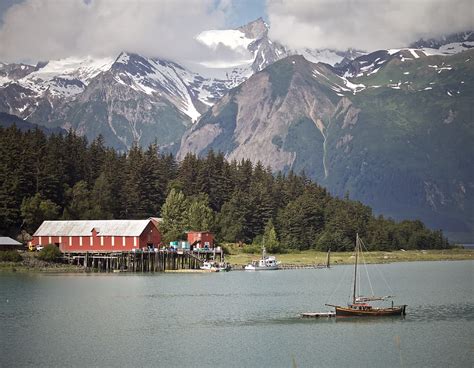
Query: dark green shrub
point(10, 256)
point(50, 253)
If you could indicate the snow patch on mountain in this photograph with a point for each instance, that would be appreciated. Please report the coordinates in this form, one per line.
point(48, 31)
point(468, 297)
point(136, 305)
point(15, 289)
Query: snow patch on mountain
point(156, 77)
point(65, 77)
point(449, 49)
point(321, 56)
point(83, 69)
point(4, 80)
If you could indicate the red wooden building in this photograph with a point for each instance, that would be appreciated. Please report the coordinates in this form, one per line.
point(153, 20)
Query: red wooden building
point(98, 235)
point(201, 238)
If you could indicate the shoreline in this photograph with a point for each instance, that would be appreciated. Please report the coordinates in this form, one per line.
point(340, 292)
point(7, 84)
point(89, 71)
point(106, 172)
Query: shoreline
point(300, 260)
point(311, 257)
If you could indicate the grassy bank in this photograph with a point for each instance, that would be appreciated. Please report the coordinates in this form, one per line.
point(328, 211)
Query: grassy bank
point(30, 263)
point(237, 257)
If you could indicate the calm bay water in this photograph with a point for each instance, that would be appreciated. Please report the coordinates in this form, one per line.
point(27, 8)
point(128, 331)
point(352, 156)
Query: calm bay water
point(235, 319)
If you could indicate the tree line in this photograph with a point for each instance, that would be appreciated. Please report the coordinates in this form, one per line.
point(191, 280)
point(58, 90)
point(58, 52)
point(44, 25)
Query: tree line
point(65, 177)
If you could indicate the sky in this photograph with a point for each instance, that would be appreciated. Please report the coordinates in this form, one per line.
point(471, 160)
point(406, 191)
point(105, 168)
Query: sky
point(50, 29)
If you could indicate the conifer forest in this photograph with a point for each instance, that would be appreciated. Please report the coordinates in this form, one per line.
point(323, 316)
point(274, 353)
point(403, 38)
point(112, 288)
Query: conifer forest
point(64, 177)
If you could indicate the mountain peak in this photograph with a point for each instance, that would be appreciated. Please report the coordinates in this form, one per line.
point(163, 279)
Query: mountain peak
point(297, 62)
point(436, 43)
point(254, 29)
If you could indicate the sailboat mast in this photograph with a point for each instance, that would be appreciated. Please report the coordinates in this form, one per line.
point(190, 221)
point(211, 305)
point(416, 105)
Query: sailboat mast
point(355, 268)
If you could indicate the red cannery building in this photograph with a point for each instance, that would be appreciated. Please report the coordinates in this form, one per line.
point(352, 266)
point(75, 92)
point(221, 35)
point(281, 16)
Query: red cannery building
point(201, 238)
point(98, 235)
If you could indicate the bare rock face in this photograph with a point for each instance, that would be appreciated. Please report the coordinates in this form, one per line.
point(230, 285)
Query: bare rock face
point(257, 122)
point(255, 29)
point(384, 145)
point(261, 120)
point(192, 141)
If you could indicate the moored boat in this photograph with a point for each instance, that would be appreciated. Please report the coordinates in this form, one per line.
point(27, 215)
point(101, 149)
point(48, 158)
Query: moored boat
point(209, 266)
point(266, 263)
point(215, 267)
point(360, 305)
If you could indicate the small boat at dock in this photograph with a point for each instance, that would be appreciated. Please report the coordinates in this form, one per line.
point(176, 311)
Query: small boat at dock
point(214, 267)
point(266, 263)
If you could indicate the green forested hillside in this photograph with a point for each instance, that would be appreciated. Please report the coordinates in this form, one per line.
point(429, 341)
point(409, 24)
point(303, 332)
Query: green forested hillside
point(396, 134)
point(411, 149)
point(64, 177)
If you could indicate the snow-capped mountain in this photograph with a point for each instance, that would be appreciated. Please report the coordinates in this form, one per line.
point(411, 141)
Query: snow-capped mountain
point(64, 77)
point(254, 50)
point(60, 93)
point(40, 92)
point(449, 44)
point(104, 95)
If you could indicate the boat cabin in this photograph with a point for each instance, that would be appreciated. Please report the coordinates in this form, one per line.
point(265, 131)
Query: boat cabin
point(266, 262)
point(361, 306)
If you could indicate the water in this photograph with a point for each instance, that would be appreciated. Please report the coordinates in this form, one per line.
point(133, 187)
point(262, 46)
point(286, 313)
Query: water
point(235, 319)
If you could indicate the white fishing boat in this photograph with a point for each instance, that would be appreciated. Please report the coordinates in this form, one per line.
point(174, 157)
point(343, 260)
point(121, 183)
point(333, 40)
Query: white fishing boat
point(266, 263)
point(209, 266)
point(215, 267)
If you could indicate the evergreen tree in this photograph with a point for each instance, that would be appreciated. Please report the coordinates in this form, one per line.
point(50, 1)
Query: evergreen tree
point(135, 182)
point(79, 204)
point(101, 199)
point(199, 216)
point(96, 157)
point(302, 220)
point(269, 239)
point(188, 172)
point(174, 216)
point(231, 220)
point(52, 178)
point(37, 209)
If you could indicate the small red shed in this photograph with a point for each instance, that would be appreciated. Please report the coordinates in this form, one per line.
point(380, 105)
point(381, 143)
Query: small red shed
point(98, 235)
point(201, 238)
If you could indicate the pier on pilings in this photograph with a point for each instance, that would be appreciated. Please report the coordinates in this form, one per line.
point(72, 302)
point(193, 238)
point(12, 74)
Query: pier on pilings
point(143, 261)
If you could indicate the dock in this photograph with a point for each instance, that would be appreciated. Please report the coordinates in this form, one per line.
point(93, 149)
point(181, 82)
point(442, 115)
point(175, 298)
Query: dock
point(185, 270)
point(289, 266)
point(318, 314)
point(144, 260)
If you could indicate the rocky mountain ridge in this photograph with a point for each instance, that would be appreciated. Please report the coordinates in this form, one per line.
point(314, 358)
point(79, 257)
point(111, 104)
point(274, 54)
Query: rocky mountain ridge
point(101, 96)
point(395, 132)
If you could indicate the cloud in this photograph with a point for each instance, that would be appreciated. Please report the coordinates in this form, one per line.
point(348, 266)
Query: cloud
point(365, 24)
point(50, 29)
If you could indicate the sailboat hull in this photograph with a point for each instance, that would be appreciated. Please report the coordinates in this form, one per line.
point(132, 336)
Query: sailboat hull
point(373, 312)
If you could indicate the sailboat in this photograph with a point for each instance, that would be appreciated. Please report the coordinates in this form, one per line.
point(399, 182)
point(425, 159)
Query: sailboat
point(360, 306)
